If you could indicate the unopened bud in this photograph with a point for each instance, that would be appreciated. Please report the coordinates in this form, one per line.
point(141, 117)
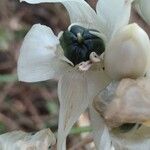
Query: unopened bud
point(128, 53)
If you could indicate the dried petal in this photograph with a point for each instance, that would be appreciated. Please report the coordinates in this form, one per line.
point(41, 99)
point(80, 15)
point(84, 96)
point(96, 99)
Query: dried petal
point(128, 103)
point(19, 140)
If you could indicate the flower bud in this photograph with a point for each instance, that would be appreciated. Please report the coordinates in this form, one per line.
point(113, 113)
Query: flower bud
point(142, 7)
point(127, 54)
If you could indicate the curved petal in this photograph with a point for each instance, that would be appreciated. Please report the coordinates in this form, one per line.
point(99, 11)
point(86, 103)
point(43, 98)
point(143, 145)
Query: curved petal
point(97, 80)
point(113, 14)
point(101, 135)
point(72, 92)
point(82, 14)
point(142, 7)
point(79, 11)
point(76, 91)
point(38, 60)
point(22, 140)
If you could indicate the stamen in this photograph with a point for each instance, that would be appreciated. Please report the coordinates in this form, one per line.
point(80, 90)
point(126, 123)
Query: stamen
point(94, 57)
point(60, 34)
point(80, 37)
point(84, 66)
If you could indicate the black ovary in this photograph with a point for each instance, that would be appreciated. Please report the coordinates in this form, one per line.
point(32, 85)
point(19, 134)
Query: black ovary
point(78, 51)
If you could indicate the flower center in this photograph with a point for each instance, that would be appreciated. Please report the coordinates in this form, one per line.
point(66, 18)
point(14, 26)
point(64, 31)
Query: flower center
point(78, 43)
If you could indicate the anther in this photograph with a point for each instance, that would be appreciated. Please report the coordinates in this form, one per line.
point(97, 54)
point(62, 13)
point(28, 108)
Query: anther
point(84, 66)
point(80, 37)
point(94, 57)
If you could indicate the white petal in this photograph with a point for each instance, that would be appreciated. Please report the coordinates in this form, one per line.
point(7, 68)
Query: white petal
point(76, 91)
point(113, 14)
point(142, 7)
point(72, 91)
point(128, 53)
point(79, 11)
point(82, 14)
point(18, 140)
point(38, 60)
point(100, 131)
point(96, 81)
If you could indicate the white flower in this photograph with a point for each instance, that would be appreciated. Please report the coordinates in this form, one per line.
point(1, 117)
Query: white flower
point(42, 58)
point(142, 7)
point(19, 140)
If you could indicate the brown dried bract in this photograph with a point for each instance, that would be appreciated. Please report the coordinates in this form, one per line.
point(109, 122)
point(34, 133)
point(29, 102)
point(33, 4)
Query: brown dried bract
point(127, 101)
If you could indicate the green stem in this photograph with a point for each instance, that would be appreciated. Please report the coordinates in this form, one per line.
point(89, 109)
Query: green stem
point(78, 130)
point(8, 78)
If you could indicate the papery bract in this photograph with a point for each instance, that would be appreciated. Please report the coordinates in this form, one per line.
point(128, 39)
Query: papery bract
point(19, 140)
